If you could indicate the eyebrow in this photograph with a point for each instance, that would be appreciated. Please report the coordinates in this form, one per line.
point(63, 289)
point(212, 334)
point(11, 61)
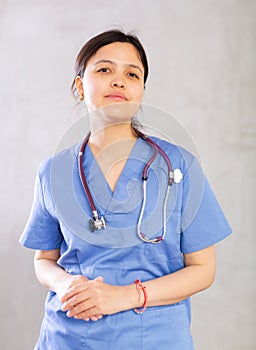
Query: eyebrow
point(113, 63)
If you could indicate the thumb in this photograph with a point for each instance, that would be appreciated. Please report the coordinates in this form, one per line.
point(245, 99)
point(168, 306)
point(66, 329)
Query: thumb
point(99, 278)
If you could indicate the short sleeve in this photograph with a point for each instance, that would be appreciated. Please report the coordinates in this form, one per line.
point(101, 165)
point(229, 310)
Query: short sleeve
point(203, 222)
point(42, 230)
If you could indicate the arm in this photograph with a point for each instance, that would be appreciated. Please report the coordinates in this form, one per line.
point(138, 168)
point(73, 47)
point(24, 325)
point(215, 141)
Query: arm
point(49, 273)
point(53, 277)
point(100, 298)
point(197, 275)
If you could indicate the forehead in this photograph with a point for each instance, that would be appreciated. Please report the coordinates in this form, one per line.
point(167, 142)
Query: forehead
point(117, 52)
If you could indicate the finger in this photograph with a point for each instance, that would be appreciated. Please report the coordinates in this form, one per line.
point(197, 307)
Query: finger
point(92, 318)
point(77, 299)
point(74, 290)
point(87, 314)
point(99, 278)
point(84, 308)
point(96, 318)
point(78, 279)
point(82, 292)
point(92, 313)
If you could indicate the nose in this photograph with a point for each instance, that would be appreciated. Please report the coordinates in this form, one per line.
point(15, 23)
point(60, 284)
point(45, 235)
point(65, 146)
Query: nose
point(119, 85)
point(118, 82)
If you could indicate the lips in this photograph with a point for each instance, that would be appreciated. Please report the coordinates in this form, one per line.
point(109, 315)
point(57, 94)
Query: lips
point(117, 97)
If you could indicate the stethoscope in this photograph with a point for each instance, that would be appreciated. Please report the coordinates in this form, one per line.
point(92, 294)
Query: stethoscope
point(175, 176)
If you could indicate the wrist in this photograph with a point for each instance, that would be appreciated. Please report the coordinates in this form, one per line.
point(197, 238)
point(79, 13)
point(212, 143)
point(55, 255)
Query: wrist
point(60, 280)
point(142, 292)
point(131, 297)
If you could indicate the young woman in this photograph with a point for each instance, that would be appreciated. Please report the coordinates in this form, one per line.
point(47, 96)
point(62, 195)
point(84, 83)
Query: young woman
point(124, 225)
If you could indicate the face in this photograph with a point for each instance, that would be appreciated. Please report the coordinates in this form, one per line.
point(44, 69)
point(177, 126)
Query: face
point(113, 75)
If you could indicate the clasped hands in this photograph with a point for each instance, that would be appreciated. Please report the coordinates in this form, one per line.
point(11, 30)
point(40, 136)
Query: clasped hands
point(91, 299)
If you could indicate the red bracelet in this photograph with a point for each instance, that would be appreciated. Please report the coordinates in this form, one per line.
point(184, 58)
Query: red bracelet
point(140, 287)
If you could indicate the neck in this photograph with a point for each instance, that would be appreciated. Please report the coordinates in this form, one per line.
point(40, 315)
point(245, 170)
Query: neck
point(111, 135)
point(112, 123)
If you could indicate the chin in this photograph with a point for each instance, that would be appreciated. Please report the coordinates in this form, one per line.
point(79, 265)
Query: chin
point(120, 112)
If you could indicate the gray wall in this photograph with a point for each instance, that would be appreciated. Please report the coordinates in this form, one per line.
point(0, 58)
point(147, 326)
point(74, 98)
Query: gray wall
point(201, 57)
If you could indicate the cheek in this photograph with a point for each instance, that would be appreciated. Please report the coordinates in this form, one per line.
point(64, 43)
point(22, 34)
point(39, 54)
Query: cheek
point(91, 92)
point(139, 93)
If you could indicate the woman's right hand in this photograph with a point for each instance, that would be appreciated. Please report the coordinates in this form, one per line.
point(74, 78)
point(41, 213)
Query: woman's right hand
point(63, 283)
point(52, 276)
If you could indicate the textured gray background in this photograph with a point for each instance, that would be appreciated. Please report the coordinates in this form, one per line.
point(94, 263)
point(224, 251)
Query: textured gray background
point(202, 71)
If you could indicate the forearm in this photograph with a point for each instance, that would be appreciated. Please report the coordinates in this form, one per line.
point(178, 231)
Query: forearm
point(178, 286)
point(170, 289)
point(49, 273)
point(198, 275)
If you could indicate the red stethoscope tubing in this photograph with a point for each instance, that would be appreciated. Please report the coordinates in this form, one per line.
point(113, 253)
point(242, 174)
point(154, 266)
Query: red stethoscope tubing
point(82, 174)
point(99, 222)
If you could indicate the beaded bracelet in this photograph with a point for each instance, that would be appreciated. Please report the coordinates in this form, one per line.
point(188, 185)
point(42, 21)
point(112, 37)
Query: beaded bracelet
point(140, 287)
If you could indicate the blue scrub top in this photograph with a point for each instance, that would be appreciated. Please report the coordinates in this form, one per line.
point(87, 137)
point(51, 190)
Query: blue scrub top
point(59, 219)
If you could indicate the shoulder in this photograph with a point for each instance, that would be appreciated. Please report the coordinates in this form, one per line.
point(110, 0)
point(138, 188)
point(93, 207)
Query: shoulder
point(178, 155)
point(61, 158)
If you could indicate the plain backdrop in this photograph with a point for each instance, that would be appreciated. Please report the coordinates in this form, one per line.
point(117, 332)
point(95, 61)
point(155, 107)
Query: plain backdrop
point(202, 56)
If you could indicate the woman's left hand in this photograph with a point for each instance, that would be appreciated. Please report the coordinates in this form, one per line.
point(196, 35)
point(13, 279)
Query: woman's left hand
point(94, 298)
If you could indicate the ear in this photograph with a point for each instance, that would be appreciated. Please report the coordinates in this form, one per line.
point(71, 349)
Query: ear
point(79, 86)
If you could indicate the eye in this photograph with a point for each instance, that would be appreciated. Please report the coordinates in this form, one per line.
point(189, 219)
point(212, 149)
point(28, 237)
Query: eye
point(103, 70)
point(133, 75)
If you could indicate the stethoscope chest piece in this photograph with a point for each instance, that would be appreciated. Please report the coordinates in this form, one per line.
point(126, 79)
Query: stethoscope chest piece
point(97, 223)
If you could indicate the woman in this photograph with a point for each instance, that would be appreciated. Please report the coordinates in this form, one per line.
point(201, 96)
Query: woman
point(134, 265)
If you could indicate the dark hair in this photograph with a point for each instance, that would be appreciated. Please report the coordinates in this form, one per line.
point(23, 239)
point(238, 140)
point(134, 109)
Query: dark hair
point(105, 38)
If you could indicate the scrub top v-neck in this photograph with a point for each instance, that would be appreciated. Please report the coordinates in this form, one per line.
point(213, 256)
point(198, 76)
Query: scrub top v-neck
point(59, 219)
point(126, 182)
point(101, 168)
